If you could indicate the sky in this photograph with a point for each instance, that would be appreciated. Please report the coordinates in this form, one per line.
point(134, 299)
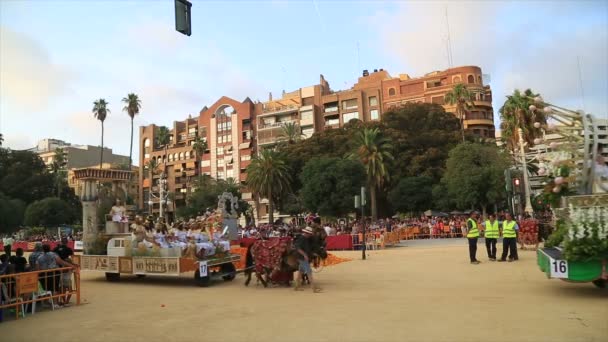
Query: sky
point(57, 57)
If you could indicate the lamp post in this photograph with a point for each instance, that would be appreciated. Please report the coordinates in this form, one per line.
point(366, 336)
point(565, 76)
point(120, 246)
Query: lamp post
point(163, 195)
point(522, 151)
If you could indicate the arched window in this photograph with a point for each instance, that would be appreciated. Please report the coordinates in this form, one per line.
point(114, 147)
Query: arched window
point(181, 156)
point(456, 79)
point(479, 79)
point(471, 79)
point(170, 157)
point(391, 92)
point(187, 154)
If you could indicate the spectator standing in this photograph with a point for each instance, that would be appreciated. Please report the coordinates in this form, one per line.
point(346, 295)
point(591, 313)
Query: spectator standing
point(19, 261)
point(33, 258)
point(8, 244)
point(48, 261)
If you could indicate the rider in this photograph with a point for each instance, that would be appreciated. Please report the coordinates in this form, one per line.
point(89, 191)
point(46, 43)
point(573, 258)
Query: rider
point(303, 246)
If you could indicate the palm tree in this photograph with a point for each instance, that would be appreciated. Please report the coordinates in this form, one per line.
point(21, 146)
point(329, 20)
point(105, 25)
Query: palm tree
point(100, 111)
point(152, 166)
point(268, 176)
point(199, 146)
point(292, 132)
point(461, 97)
point(515, 113)
point(1, 139)
point(132, 107)
point(163, 138)
point(374, 151)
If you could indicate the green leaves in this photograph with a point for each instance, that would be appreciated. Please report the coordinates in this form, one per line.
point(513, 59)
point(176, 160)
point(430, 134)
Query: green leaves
point(100, 109)
point(412, 194)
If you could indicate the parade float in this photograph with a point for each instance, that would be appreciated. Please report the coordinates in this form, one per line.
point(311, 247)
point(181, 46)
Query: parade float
point(575, 185)
point(204, 250)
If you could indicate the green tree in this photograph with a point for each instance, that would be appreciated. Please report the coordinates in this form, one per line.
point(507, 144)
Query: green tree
point(163, 138)
point(461, 97)
point(199, 146)
point(11, 213)
point(330, 184)
point(1, 139)
point(152, 167)
point(374, 152)
point(291, 132)
point(48, 212)
point(422, 135)
point(100, 111)
point(58, 170)
point(515, 113)
point(24, 176)
point(206, 193)
point(412, 194)
point(132, 107)
point(268, 176)
point(475, 175)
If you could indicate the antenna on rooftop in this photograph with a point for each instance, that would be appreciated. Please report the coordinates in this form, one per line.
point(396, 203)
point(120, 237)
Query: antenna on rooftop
point(580, 81)
point(449, 42)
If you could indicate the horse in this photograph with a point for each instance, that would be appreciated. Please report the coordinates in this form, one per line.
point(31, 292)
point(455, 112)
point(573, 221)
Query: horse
point(268, 257)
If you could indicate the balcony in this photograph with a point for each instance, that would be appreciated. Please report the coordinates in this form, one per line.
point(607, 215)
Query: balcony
point(279, 110)
point(331, 109)
point(191, 135)
point(484, 103)
point(275, 124)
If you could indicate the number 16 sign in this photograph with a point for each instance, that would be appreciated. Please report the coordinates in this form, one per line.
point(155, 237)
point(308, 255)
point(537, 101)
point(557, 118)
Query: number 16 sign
point(559, 268)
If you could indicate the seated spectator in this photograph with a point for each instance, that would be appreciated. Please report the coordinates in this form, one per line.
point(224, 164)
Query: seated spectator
point(19, 262)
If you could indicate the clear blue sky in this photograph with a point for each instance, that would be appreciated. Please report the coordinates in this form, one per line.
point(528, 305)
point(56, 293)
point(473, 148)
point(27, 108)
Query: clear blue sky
point(57, 57)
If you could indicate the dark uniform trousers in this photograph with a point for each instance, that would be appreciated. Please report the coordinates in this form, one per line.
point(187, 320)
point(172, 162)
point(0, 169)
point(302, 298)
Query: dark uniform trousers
point(473, 248)
point(509, 246)
point(491, 247)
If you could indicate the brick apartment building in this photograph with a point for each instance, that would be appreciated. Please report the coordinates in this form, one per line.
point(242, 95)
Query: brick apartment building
point(235, 130)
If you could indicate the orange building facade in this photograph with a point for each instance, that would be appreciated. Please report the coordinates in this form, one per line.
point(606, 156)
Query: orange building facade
point(235, 130)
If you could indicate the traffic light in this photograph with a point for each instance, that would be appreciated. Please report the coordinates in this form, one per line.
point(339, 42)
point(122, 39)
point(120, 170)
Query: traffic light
point(183, 22)
point(516, 185)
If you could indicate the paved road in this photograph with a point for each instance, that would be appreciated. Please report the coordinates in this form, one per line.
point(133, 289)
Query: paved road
point(426, 293)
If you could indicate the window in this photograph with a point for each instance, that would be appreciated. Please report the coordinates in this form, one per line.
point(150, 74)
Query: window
point(331, 107)
point(246, 135)
point(170, 157)
point(479, 79)
point(332, 122)
point(306, 115)
point(471, 79)
point(220, 162)
point(456, 79)
point(349, 104)
point(220, 175)
point(147, 155)
point(181, 156)
point(350, 116)
point(373, 101)
point(230, 173)
point(391, 92)
point(229, 137)
point(245, 157)
point(220, 150)
point(433, 84)
point(437, 99)
point(187, 154)
point(373, 114)
point(476, 131)
point(308, 132)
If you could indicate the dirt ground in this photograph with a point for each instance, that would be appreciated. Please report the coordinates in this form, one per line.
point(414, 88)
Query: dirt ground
point(398, 294)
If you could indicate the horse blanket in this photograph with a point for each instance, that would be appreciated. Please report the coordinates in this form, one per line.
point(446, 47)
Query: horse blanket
point(268, 254)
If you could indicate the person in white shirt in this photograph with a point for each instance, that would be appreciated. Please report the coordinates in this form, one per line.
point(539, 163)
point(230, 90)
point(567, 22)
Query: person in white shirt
point(327, 229)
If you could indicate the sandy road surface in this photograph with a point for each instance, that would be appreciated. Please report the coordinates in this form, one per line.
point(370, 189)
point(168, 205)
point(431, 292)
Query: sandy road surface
point(400, 294)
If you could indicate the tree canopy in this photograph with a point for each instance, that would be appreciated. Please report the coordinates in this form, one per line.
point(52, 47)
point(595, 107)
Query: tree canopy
point(475, 175)
point(206, 193)
point(49, 212)
point(330, 185)
point(412, 194)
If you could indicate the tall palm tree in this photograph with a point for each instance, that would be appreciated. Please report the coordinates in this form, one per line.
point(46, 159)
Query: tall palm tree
point(268, 176)
point(461, 97)
point(132, 107)
point(152, 166)
point(374, 151)
point(199, 146)
point(515, 113)
point(163, 138)
point(292, 132)
point(101, 111)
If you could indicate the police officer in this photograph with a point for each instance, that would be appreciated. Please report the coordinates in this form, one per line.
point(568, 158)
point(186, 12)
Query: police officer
point(491, 235)
point(509, 238)
point(472, 236)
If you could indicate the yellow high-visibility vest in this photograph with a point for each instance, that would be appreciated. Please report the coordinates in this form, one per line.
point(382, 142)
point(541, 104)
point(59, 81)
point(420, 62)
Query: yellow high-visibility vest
point(473, 231)
point(491, 230)
point(508, 229)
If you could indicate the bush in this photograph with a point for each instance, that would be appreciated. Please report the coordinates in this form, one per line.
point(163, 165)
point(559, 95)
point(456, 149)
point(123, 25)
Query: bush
point(50, 211)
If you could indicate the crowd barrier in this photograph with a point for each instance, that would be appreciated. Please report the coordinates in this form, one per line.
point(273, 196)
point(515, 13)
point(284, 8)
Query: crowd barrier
point(21, 291)
point(29, 246)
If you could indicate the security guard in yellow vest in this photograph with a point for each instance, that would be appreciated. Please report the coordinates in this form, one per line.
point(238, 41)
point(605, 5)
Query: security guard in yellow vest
point(491, 235)
point(472, 236)
point(509, 238)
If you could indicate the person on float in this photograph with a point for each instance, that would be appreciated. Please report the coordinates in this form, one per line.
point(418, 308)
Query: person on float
point(118, 213)
point(509, 238)
point(491, 234)
point(472, 237)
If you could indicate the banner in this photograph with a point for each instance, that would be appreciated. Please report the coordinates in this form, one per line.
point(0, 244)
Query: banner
point(78, 245)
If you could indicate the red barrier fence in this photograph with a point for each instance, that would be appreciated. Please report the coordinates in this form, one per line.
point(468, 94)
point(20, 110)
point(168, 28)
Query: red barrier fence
point(29, 246)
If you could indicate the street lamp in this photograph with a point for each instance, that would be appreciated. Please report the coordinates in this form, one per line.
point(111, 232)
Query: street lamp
point(163, 195)
point(524, 162)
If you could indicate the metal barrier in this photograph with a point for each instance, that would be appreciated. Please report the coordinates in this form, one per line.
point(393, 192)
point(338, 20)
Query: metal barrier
point(21, 291)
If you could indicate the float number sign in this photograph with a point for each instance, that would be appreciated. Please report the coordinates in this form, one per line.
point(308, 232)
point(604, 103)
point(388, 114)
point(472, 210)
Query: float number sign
point(559, 268)
point(202, 267)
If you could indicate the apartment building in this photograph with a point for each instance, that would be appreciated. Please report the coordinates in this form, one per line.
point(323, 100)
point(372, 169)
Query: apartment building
point(432, 87)
point(76, 156)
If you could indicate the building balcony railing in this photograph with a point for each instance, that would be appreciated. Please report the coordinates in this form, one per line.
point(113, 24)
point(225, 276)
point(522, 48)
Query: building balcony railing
point(471, 116)
point(330, 109)
point(484, 103)
point(191, 135)
point(276, 124)
point(280, 109)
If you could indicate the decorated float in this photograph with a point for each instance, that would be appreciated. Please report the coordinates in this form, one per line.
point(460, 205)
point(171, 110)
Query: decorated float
point(576, 187)
point(203, 248)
